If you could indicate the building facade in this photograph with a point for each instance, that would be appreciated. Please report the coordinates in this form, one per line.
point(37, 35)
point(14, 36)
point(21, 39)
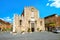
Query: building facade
point(52, 21)
point(28, 21)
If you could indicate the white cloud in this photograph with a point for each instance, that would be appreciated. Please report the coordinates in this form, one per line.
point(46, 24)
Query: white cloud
point(55, 3)
point(7, 19)
point(1, 18)
point(47, 4)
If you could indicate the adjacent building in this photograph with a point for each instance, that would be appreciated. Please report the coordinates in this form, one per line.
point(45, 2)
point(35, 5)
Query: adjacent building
point(28, 21)
point(5, 26)
point(52, 21)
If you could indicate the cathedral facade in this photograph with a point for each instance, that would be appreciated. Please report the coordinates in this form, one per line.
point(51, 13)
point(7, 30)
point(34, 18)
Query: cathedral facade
point(28, 21)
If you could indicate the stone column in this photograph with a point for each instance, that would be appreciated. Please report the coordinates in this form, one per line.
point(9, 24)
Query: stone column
point(14, 23)
point(13, 28)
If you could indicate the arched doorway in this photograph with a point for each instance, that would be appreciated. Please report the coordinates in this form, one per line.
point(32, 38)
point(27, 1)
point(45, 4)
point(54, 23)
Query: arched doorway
point(32, 24)
point(32, 27)
point(0, 29)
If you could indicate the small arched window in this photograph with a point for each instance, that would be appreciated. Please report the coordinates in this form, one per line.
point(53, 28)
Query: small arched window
point(20, 22)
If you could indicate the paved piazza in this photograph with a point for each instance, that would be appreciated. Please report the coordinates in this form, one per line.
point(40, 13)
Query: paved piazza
point(30, 36)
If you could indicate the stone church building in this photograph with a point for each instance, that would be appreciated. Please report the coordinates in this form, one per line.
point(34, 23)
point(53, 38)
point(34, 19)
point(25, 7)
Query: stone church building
point(28, 21)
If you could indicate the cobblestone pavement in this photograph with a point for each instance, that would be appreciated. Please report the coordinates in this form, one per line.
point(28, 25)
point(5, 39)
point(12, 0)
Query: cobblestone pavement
point(30, 36)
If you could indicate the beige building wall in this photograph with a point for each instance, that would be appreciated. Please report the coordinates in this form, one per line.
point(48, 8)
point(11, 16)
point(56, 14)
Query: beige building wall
point(29, 17)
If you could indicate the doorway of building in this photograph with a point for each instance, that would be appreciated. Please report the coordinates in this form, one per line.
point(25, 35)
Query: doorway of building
point(32, 27)
point(0, 29)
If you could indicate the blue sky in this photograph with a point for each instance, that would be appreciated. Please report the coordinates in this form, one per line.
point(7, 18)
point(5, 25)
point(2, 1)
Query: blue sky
point(46, 7)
